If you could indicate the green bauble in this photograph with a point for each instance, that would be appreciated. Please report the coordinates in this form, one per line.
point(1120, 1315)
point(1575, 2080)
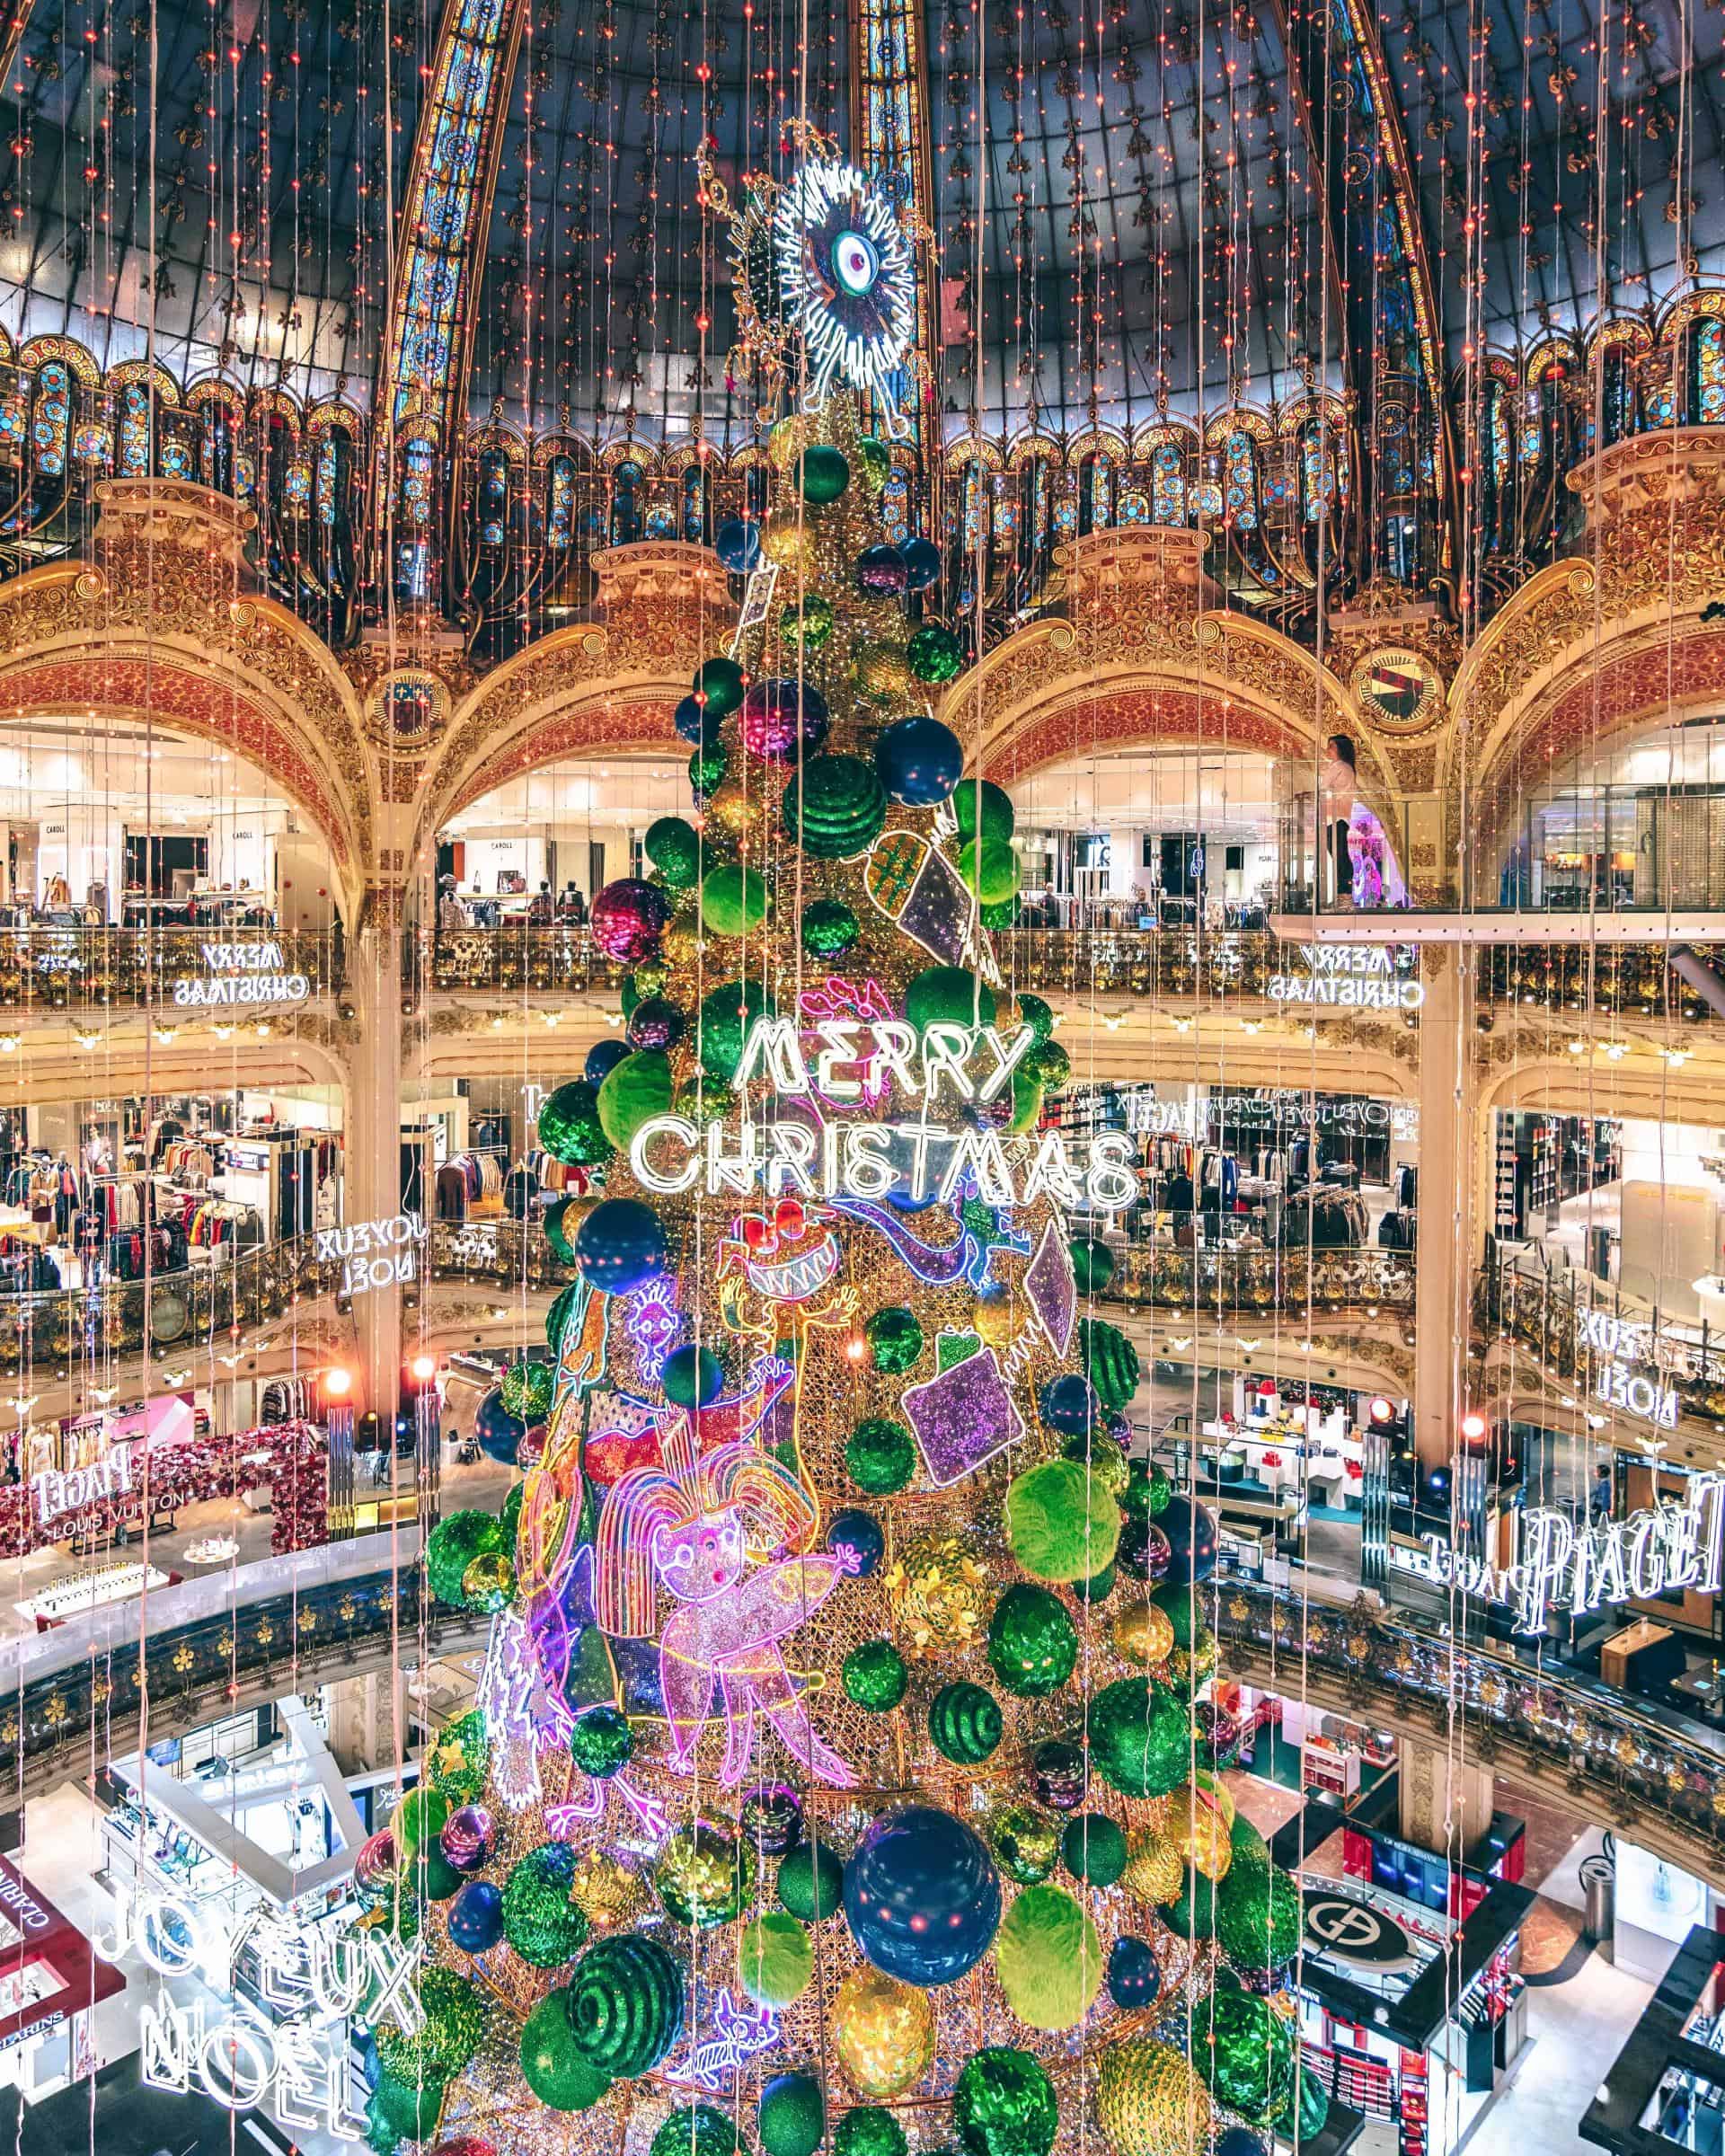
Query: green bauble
point(526, 1390)
point(965, 1723)
point(829, 928)
point(640, 1088)
point(561, 1248)
point(1093, 1264)
point(792, 2116)
point(1027, 1100)
point(509, 1518)
point(811, 1882)
point(1050, 1063)
point(1314, 2106)
point(705, 1874)
point(435, 1877)
point(879, 1456)
point(810, 624)
point(1183, 1611)
point(1258, 1914)
point(1049, 1958)
point(1003, 2104)
point(707, 769)
point(733, 900)
point(821, 474)
point(456, 1762)
point(1033, 1647)
point(1025, 1840)
point(418, 1818)
point(1159, 1492)
point(552, 2065)
point(1062, 1523)
point(1038, 1015)
point(540, 1921)
point(726, 1015)
point(673, 848)
point(868, 2130)
point(775, 1961)
point(895, 1338)
point(625, 2004)
point(696, 2130)
point(568, 1126)
point(720, 683)
point(997, 918)
point(990, 870)
point(950, 994)
point(601, 1743)
point(997, 815)
point(694, 1381)
point(875, 462)
point(1111, 1361)
point(1097, 1588)
point(455, 2015)
point(1140, 1738)
point(835, 807)
point(1242, 2050)
point(1093, 1848)
point(452, 1546)
point(411, 2112)
point(1191, 1915)
point(934, 655)
point(875, 1676)
point(567, 1304)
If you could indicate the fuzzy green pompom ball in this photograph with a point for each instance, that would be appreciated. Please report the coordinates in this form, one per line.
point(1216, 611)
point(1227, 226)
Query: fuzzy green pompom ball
point(1062, 1522)
point(990, 869)
point(1093, 1264)
point(1094, 1849)
point(640, 1088)
point(775, 1960)
point(792, 2116)
point(733, 900)
point(1049, 1958)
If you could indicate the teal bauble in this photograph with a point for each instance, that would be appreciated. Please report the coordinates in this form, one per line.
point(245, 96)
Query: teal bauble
point(720, 683)
point(835, 807)
point(821, 475)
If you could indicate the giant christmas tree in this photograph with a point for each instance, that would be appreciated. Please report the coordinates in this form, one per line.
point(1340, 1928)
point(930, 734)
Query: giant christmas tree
point(842, 1773)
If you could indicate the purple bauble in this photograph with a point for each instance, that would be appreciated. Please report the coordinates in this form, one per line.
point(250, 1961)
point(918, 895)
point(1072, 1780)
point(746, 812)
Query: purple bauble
point(374, 1869)
point(780, 715)
point(469, 1837)
point(882, 572)
point(655, 1023)
point(627, 920)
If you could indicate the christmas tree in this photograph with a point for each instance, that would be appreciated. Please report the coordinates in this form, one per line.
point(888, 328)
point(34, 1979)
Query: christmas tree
point(842, 1773)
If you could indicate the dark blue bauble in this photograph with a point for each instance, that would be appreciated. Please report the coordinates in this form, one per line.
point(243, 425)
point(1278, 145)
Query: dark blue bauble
point(738, 545)
point(498, 1433)
point(655, 1023)
point(1240, 2140)
point(922, 1895)
point(477, 1917)
point(903, 1201)
point(370, 2065)
point(919, 760)
point(1121, 1430)
point(620, 1246)
point(1191, 1530)
point(602, 1058)
point(1068, 1404)
point(1134, 1974)
point(882, 572)
point(696, 721)
point(922, 563)
point(693, 1374)
point(860, 1532)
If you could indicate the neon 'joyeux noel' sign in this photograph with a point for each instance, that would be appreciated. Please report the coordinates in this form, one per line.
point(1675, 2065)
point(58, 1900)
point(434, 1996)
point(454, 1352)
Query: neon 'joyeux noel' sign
point(916, 1157)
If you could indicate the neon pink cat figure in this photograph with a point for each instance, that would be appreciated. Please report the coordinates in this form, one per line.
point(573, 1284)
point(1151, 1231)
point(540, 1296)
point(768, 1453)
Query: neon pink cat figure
point(697, 1535)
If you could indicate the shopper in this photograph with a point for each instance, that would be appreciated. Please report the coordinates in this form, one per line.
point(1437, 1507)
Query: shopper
point(541, 909)
point(1599, 1505)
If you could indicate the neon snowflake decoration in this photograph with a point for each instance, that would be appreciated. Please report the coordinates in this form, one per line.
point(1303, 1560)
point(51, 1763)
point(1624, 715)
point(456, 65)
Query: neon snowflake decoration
point(847, 283)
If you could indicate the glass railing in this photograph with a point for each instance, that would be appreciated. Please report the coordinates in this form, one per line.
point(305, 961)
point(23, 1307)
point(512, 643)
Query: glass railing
point(1554, 1314)
point(214, 972)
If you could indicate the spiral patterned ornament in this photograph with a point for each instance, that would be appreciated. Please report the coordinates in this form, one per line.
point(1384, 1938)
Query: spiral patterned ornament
point(965, 1724)
point(626, 2005)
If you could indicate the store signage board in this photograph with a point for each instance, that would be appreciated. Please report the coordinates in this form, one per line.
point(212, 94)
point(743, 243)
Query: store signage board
point(1556, 1564)
point(1349, 977)
point(1351, 1930)
point(58, 1496)
point(374, 1253)
point(241, 973)
point(1619, 1346)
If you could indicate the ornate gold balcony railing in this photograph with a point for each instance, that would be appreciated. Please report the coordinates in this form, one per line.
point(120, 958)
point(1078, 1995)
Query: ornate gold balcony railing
point(1626, 980)
point(75, 968)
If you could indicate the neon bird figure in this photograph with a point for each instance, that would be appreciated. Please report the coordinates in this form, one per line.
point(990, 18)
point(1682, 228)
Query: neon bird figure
point(695, 1534)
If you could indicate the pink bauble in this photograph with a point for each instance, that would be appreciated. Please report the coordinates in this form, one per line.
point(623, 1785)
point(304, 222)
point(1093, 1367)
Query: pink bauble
point(627, 920)
point(532, 1446)
point(465, 2145)
point(781, 715)
point(468, 1838)
point(374, 1868)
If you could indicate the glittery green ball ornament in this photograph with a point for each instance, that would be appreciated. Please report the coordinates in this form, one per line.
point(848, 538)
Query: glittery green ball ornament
point(964, 1723)
point(835, 807)
point(673, 848)
point(1111, 1361)
point(1050, 1063)
point(775, 1960)
point(1183, 1611)
point(567, 1304)
point(526, 1390)
point(990, 869)
point(810, 624)
point(879, 1456)
point(487, 1584)
point(1242, 2049)
point(821, 474)
point(1025, 1840)
point(1258, 1914)
point(601, 1742)
point(1003, 2104)
point(625, 2004)
point(452, 1546)
point(726, 1015)
point(568, 1126)
point(994, 812)
point(1033, 1647)
point(1093, 1848)
point(411, 2112)
point(705, 1874)
point(733, 900)
point(560, 1245)
point(1002, 916)
point(1048, 1957)
point(457, 2012)
point(792, 2116)
point(640, 1088)
point(540, 1921)
point(811, 1882)
point(718, 683)
point(829, 928)
point(895, 1338)
point(874, 461)
point(1093, 1264)
point(1191, 1915)
point(1314, 2106)
point(869, 2131)
point(696, 2130)
point(949, 995)
point(456, 1763)
point(707, 768)
point(934, 654)
point(1140, 1738)
point(1037, 1014)
point(874, 1675)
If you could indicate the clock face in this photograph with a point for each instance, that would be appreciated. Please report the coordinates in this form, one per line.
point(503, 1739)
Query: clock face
point(1398, 690)
point(845, 280)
